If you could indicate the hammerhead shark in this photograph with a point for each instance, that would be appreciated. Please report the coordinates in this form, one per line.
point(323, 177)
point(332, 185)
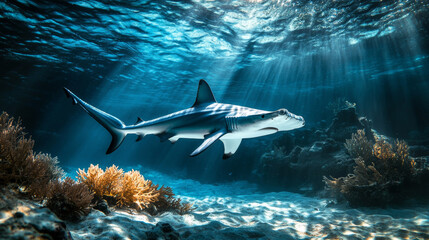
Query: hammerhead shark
point(206, 119)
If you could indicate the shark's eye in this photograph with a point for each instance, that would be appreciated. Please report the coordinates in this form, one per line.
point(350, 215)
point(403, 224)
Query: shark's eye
point(282, 111)
point(262, 116)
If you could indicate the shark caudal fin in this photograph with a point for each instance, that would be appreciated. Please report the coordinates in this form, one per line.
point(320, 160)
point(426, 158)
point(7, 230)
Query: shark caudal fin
point(111, 123)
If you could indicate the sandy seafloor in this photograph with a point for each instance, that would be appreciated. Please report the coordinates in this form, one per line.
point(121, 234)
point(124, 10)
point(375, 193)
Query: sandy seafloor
point(239, 211)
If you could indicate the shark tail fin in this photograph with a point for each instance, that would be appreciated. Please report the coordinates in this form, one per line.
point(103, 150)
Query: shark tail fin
point(109, 122)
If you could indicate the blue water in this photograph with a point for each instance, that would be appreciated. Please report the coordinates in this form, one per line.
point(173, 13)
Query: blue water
point(144, 59)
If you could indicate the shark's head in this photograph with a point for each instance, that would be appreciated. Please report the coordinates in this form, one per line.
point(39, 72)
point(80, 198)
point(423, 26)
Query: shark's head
point(280, 120)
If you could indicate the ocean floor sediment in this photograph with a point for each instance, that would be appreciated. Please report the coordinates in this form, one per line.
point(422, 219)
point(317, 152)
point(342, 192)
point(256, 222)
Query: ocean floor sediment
point(238, 211)
point(224, 211)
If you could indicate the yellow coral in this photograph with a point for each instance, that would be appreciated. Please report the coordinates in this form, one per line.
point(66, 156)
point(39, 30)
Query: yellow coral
point(110, 180)
point(92, 179)
point(401, 149)
point(383, 150)
point(134, 190)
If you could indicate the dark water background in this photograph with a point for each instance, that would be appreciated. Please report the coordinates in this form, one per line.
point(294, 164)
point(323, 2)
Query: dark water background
point(144, 59)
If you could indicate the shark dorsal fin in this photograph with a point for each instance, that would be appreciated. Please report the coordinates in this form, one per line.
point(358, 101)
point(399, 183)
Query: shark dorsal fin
point(139, 120)
point(204, 94)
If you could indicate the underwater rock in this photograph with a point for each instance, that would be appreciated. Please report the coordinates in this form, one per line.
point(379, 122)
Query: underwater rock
point(102, 205)
point(23, 219)
point(344, 124)
point(303, 168)
point(419, 151)
point(163, 231)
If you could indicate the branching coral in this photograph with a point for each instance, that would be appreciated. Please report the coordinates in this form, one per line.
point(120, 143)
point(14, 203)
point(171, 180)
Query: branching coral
point(18, 163)
point(381, 171)
point(38, 175)
point(134, 191)
point(167, 202)
point(131, 189)
point(68, 199)
point(359, 146)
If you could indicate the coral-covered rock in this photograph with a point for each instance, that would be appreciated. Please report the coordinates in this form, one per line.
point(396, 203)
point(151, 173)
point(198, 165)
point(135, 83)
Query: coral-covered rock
point(384, 173)
point(303, 168)
point(344, 124)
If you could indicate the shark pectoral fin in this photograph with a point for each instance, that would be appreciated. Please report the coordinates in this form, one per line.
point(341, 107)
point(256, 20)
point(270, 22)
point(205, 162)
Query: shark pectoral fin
point(173, 140)
point(230, 147)
point(209, 140)
point(139, 137)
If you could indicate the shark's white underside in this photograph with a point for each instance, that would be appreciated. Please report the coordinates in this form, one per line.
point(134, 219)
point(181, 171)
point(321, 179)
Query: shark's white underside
point(206, 119)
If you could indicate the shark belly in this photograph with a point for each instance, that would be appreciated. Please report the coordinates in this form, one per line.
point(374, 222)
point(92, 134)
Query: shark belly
point(249, 134)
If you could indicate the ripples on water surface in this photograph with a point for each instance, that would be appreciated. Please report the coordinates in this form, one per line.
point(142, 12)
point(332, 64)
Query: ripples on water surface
point(160, 36)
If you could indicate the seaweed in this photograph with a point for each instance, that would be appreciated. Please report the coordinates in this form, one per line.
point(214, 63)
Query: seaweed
point(382, 174)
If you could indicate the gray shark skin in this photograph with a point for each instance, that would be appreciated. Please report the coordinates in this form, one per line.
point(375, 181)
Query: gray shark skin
point(206, 119)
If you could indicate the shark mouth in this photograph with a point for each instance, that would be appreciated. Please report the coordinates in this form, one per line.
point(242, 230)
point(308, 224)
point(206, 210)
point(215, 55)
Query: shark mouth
point(269, 128)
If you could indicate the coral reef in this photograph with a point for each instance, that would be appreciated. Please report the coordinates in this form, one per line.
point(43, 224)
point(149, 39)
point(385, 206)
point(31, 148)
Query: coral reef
point(130, 189)
point(38, 175)
point(383, 174)
point(18, 163)
point(383, 170)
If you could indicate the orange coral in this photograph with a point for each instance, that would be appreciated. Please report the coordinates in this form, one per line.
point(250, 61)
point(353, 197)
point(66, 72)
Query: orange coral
point(134, 190)
point(92, 179)
point(38, 175)
point(383, 150)
point(131, 189)
point(111, 179)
